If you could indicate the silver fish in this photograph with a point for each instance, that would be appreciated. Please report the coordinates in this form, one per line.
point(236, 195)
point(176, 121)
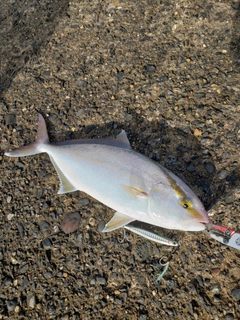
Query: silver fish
point(121, 178)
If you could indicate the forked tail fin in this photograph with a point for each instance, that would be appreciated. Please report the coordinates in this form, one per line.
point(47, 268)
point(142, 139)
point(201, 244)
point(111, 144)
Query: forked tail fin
point(32, 148)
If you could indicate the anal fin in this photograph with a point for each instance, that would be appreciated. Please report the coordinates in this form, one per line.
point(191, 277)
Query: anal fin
point(66, 185)
point(118, 220)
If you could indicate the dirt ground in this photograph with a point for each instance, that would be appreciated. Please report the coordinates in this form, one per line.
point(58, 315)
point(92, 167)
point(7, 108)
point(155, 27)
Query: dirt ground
point(168, 73)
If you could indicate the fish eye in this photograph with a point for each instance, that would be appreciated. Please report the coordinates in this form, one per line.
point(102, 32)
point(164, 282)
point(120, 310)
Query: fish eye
point(185, 203)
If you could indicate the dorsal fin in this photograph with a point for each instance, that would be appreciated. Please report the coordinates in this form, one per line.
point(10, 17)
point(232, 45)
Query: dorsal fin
point(121, 141)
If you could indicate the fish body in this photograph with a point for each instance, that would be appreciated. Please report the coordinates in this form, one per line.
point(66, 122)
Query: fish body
point(121, 178)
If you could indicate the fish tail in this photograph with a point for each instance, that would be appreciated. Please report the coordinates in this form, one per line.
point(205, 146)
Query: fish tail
point(35, 147)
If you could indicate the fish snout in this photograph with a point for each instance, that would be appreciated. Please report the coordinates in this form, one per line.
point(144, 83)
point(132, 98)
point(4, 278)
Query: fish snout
point(201, 215)
point(198, 220)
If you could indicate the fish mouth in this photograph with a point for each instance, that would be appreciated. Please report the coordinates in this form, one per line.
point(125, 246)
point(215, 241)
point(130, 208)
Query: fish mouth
point(198, 225)
point(207, 225)
point(204, 224)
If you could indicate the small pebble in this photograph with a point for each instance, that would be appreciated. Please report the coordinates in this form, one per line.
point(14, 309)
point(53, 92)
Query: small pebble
point(215, 271)
point(89, 128)
point(197, 132)
point(118, 301)
point(10, 119)
point(119, 75)
point(52, 309)
point(31, 300)
point(47, 243)
point(223, 174)
point(83, 84)
point(2, 303)
point(44, 226)
point(190, 169)
point(101, 280)
point(92, 222)
point(150, 68)
point(101, 225)
point(9, 198)
point(183, 256)
point(17, 309)
point(23, 269)
point(21, 229)
point(163, 78)
point(14, 261)
point(229, 316)
point(39, 193)
point(48, 275)
point(11, 305)
point(235, 294)
point(231, 178)
point(46, 73)
point(55, 229)
point(195, 157)
point(215, 290)
point(236, 5)
point(229, 199)
point(7, 282)
point(10, 216)
point(79, 240)
point(209, 167)
point(24, 283)
point(83, 202)
point(71, 222)
point(200, 281)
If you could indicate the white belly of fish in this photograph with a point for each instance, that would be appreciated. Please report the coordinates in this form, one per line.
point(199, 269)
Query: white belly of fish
point(102, 171)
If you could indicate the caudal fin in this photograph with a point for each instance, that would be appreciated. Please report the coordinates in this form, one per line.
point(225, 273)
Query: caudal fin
point(32, 148)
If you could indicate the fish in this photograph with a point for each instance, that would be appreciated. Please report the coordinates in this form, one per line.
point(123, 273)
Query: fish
point(133, 185)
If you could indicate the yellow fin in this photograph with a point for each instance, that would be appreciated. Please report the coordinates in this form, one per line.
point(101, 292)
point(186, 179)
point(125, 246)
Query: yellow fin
point(66, 185)
point(118, 220)
point(134, 191)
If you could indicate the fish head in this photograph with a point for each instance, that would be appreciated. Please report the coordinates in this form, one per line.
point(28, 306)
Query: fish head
point(192, 212)
point(176, 206)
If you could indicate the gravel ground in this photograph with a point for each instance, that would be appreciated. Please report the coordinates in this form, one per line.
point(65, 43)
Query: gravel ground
point(168, 73)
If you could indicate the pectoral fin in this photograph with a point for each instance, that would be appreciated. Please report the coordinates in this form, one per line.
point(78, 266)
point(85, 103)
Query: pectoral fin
point(118, 220)
point(134, 192)
point(66, 185)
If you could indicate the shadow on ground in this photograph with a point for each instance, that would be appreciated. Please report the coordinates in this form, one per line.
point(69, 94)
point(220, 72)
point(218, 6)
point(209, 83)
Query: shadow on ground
point(235, 43)
point(24, 28)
